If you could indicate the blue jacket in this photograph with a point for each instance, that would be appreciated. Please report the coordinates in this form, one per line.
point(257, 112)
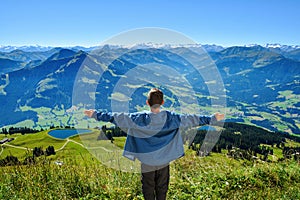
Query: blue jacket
point(153, 138)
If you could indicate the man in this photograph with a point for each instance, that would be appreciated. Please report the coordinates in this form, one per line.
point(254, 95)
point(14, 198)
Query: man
point(154, 139)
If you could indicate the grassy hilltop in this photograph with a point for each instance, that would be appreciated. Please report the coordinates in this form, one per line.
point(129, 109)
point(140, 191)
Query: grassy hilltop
point(82, 176)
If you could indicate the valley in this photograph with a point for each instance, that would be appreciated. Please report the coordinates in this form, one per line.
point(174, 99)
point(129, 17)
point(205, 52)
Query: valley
point(261, 85)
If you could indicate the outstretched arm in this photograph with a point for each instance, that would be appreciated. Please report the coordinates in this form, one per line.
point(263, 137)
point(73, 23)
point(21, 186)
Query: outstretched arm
point(99, 116)
point(199, 120)
point(121, 120)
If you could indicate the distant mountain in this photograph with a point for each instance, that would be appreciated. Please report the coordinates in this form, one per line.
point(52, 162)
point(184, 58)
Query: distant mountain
point(7, 65)
point(25, 48)
point(37, 48)
point(62, 53)
point(258, 68)
point(283, 48)
point(278, 48)
point(24, 56)
point(213, 48)
point(27, 86)
point(257, 76)
point(262, 86)
point(17, 59)
point(243, 58)
point(295, 54)
point(86, 49)
point(208, 47)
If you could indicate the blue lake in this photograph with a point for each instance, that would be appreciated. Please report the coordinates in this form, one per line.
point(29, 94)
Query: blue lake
point(65, 133)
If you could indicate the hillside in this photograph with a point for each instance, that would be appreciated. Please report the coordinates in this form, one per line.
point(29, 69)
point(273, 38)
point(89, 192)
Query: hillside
point(260, 87)
point(8, 65)
point(81, 176)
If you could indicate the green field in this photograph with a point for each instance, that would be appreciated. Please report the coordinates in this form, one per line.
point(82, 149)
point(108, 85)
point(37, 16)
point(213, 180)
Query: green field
point(74, 117)
point(83, 176)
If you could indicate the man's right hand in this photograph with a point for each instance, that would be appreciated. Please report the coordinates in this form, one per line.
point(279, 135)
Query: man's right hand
point(89, 113)
point(219, 116)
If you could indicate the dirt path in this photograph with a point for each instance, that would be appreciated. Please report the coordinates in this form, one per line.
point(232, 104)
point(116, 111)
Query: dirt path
point(9, 145)
point(1, 150)
point(17, 147)
point(105, 149)
point(61, 148)
point(68, 140)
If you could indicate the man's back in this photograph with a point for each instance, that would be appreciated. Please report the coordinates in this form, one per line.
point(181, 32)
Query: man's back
point(153, 138)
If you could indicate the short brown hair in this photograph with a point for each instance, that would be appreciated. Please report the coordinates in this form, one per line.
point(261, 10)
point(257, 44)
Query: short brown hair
point(155, 97)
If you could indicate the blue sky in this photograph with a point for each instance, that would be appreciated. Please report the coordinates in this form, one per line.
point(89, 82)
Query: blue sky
point(89, 22)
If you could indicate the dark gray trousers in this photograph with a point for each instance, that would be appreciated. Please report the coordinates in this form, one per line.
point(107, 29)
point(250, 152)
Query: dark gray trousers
point(155, 181)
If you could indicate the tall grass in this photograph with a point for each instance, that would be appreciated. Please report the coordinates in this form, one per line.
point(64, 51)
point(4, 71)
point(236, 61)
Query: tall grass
point(72, 180)
point(192, 177)
point(201, 179)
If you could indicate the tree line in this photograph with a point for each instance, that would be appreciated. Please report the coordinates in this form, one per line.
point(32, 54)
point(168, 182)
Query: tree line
point(22, 130)
point(108, 133)
point(242, 141)
point(26, 130)
point(29, 159)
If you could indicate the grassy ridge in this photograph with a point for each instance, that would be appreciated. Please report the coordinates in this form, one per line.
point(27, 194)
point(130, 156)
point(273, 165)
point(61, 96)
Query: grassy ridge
point(83, 177)
point(27, 142)
point(192, 177)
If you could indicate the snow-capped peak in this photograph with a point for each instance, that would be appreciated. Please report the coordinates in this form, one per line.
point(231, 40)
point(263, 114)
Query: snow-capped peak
point(286, 48)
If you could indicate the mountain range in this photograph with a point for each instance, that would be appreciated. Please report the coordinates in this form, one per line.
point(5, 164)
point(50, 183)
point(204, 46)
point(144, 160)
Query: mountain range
point(207, 47)
point(261, 83)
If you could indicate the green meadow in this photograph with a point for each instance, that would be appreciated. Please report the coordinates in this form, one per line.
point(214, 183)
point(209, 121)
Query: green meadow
point(83, 176)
